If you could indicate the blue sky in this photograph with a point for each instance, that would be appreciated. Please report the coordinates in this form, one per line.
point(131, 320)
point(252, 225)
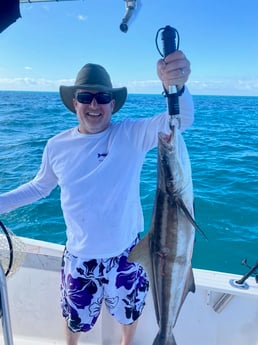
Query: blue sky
point(53, 40)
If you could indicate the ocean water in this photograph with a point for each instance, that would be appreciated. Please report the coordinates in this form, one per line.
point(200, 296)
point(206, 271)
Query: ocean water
point(223, 147)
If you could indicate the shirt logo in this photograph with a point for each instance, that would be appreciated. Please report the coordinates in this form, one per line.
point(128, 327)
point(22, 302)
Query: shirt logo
point(101, 156)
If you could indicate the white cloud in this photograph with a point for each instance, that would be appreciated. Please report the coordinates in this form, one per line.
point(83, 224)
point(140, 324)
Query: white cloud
point(241, 87)
point(28, 84)
point(141, 86)
point(82, 18)
point(238, 87)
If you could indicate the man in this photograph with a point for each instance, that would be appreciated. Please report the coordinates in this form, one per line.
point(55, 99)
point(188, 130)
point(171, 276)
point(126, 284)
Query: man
point(97, 166)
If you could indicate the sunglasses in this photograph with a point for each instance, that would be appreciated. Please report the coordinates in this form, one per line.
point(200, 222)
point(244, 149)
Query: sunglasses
point(100, 97)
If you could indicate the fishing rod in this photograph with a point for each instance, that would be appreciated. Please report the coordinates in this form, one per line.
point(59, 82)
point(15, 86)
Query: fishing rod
point(171, 39)
point(241, 283)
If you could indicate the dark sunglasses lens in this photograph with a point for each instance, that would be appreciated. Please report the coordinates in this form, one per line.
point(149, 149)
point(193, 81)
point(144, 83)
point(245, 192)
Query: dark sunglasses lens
point(87, 97)
point(103, 97)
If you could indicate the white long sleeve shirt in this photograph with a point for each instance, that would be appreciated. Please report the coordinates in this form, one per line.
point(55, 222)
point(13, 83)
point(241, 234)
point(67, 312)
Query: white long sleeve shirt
point(99, 178)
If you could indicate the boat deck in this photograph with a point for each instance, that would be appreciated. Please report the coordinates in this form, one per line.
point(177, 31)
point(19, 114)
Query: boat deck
point(36, 341)
point(216, 314)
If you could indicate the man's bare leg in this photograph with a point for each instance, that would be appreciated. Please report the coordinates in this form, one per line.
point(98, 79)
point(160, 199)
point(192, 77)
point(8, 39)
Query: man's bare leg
point(128, 332)
point(71, 337)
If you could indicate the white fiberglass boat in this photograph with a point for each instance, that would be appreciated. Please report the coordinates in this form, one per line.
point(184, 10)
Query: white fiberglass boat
point(220, 312)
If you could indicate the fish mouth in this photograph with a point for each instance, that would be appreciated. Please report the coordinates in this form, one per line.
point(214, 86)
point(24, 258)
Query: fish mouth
point(166, 139)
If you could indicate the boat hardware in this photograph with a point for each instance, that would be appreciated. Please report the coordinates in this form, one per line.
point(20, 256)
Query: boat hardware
point(4, 309)
point(130, 6)
point(208, 297)
point(9, 13)
point(222, 302)
point(6, 250)
point(241, 283)
point(11, 257)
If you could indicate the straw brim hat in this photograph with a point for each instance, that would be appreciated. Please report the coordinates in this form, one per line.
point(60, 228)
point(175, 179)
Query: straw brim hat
point(93, 77)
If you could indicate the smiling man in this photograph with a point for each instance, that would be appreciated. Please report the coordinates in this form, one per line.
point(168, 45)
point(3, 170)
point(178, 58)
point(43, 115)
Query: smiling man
point(97, 165)
point(93, 98)
point(94, 110)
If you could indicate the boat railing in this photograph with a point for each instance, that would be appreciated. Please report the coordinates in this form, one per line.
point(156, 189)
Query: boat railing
point(239, 284)
point(4, 309)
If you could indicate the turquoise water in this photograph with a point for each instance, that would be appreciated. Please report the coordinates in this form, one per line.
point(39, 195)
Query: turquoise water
point(223, 147)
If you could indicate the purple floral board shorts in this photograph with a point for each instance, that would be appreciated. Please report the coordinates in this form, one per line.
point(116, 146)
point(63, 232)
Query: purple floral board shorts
point(85, 284)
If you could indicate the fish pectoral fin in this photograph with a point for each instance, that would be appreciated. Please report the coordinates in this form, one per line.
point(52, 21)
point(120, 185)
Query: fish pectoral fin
point(188, 215)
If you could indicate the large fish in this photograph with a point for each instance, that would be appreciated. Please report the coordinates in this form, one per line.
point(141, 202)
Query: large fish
point(166, 251)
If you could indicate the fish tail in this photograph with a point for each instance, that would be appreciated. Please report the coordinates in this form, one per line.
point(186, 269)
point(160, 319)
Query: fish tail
point(161, 339)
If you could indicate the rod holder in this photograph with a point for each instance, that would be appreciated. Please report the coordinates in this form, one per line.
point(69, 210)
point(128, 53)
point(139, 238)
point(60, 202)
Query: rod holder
point(222, 302)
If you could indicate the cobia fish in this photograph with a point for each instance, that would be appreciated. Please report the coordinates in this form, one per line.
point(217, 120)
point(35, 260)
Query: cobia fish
point(166, 251)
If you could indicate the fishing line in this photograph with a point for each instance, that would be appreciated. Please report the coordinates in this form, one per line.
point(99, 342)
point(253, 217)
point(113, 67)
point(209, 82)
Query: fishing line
point(171, 40)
